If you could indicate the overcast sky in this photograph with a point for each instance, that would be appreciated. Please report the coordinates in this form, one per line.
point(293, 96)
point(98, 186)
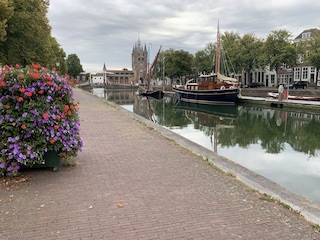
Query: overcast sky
point(105, 31)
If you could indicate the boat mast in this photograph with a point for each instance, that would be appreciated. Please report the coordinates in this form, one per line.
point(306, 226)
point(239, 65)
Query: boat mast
point(152, 66)
point(217, 66)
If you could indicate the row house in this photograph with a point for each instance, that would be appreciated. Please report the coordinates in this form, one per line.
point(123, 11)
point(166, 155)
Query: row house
point(301, 72)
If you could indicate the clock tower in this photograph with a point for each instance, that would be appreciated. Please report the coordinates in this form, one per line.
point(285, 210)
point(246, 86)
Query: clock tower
point(140, 62)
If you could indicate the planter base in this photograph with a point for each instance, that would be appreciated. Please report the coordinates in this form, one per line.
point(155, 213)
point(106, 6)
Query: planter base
point(51, 160)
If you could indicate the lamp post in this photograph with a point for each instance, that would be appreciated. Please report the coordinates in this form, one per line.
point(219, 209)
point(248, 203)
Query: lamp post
point(163, 71)
point(57, 64)
point(148, 67)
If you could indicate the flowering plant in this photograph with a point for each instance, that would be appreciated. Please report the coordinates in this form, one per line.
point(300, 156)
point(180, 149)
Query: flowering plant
point(37, 115)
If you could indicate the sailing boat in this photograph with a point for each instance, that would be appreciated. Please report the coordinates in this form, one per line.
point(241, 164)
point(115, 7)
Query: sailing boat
point(213, 88)
point(155, 93)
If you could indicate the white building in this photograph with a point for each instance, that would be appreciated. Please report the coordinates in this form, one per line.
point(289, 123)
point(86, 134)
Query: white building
point(300, 72)
point(303, 71)
point(112, 77)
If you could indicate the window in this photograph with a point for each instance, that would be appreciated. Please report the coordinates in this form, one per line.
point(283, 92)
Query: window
point(304, 73)
point(306, 35)
point(312, 69)
point(272, 78)
point(297, 73)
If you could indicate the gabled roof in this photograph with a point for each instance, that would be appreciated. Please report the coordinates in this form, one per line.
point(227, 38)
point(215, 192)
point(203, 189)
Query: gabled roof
point(300, 36)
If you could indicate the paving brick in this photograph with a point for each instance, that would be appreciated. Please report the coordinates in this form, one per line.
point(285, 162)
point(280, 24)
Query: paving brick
point(134, 183)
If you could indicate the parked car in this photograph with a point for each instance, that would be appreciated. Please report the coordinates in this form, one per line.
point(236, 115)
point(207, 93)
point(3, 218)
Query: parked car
point(300, 84)
point(255, 85)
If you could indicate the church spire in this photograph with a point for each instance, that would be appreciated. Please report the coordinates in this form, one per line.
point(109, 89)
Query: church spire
point(104, 68)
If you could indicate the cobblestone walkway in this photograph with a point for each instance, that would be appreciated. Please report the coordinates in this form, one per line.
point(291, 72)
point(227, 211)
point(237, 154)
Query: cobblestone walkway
point(134, 183)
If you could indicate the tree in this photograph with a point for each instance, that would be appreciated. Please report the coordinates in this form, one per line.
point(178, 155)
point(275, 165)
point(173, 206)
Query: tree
point(232, 50)
point(57, 54)
point(6, 12)
point(28, 34)
point(73, 65)
point(250, 49)
point(178, 63)
point(314, 53)
point(203, 59)
point(278, 49)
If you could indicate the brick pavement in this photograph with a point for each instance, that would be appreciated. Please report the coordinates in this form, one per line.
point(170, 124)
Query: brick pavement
point(134, 183)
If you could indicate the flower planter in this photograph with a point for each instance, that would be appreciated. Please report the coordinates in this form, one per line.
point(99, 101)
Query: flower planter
point(37, 113)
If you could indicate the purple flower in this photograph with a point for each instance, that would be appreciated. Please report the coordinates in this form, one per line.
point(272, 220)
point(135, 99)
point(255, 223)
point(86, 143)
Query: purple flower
point(49, 99)
point(34, 112)
point(2, 164)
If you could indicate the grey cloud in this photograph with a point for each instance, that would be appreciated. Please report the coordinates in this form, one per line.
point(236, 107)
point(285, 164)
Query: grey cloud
point(105, 31)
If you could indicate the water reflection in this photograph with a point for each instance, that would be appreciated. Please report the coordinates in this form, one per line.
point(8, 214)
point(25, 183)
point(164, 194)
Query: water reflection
point(118, 96)
point(283, 146)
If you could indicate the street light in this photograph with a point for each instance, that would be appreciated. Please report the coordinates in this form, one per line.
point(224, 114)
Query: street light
point(163, 66)
point(57, 63)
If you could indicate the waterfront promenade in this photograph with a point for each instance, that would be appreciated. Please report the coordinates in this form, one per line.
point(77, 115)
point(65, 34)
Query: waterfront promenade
point(137, 180)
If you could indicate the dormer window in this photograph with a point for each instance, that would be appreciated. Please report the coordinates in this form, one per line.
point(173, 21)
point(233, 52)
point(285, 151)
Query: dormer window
point(306, 35)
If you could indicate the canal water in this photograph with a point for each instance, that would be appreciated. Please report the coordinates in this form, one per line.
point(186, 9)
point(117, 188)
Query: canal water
point(283, 146)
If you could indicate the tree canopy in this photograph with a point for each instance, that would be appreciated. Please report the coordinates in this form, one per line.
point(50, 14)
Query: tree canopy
point(73, 65)
point(314, 50)
point(178, 63)
point(28, 34)
point(6, 12)
point(25, 35)
point(278, 49)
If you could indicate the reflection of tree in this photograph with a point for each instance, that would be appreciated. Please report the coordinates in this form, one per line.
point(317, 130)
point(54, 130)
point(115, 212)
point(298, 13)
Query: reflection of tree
point(304, 137)
point(257, 129)
point(300, 134)
point(167, 114)
point(271, 129)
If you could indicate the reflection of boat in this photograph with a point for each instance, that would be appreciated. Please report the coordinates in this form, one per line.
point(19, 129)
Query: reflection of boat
point(294, 97)
point(214, 88)
point(224, 111)
point(151, 93)
point(211, 118)
point(146, 90)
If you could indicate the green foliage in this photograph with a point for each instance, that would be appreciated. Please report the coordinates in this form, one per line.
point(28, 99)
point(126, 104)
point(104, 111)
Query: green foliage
point(278, 49)
point(28, 33)
point(6, 12)
point(25, 35)
point(231, 46)
point(177, 64)
point(73, 65)
point(250, 49)
point(314, 50)
point(203, 60)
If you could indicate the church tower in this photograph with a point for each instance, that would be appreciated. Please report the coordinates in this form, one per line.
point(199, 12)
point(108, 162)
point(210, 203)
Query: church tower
point(140, 62)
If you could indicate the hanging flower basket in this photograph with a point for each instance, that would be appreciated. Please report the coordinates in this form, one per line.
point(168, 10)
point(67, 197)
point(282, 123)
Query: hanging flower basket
point(38, 115)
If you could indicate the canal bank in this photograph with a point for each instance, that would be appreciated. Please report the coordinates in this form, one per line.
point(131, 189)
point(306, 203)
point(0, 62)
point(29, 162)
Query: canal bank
point(260, 96)
point(137, 180)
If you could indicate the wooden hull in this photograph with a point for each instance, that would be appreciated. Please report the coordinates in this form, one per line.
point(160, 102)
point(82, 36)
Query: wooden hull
point(210, 97)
